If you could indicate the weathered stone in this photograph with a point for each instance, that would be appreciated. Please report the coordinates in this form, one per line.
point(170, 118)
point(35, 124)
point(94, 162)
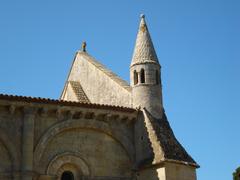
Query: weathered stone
point(100, 129)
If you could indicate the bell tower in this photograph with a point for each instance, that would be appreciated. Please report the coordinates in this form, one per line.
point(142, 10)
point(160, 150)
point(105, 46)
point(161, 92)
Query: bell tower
point(145, 73)
point(159, 155)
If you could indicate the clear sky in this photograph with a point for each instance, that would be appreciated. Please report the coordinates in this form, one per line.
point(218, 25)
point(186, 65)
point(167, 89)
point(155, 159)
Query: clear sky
point(197, 42)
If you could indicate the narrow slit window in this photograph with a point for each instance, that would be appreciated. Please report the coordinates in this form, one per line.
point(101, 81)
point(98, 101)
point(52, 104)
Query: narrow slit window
point(142, 76)
point(157, 77)
point(135, 77)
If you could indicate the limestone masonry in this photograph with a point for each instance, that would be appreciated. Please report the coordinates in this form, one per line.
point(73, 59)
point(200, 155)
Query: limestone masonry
point(100, 129)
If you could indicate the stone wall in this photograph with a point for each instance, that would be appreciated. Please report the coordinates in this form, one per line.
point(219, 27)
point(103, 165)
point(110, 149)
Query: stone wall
point(168, 171)
point(148, 94)
point(10, 141)
point(176, 171)
point(41, 141)
point(99, 84)
point(69, 94)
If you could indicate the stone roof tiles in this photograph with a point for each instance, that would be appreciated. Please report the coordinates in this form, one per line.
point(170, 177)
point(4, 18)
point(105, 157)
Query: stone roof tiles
point(173, 151)
point(144, 50)
point(77, 88)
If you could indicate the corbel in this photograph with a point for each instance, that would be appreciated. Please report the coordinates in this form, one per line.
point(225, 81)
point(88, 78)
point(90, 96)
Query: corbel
point(59, 113)
point(89, 115)
point(43, 112)
point(101, 116)
point(12, 109)
point(70, 114)
point(77, 115)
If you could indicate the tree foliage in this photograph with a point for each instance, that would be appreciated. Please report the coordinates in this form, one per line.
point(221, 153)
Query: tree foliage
point(236, 174)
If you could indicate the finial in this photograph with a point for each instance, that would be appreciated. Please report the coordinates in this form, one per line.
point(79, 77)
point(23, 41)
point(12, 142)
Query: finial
point(142, 16)
point(84, 44)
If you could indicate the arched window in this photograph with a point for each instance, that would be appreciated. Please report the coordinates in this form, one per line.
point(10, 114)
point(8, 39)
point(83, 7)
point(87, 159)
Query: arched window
point(135, 77)
point(142, 76)
point(67, 175)
point(157, 77)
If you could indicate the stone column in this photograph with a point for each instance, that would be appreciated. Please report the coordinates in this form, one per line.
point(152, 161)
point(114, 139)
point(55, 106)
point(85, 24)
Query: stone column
point(27, 143)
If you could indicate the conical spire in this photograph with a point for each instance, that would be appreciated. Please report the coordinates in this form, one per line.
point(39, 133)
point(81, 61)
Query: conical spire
point(144, 50)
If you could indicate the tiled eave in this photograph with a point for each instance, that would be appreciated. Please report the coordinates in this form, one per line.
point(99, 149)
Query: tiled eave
point(38, 100)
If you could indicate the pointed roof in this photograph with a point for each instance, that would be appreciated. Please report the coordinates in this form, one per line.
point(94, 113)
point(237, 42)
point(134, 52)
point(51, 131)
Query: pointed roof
point(144, 50)
point(164, 143)
point(84, 72)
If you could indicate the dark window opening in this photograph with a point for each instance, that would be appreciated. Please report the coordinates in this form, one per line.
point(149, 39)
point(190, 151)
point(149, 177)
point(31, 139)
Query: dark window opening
point(135, 77)
point(67, 175)
point(142, 76)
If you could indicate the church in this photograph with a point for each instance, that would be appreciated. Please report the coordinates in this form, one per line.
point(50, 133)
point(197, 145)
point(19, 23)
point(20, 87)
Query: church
point(101, 128)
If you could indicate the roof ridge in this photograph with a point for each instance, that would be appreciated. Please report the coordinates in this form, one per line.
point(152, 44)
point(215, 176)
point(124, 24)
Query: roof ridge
point(107, 71)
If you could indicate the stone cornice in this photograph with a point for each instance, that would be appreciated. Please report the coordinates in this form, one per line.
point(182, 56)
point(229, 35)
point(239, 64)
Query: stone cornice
point(145, 62)
point(67, 110)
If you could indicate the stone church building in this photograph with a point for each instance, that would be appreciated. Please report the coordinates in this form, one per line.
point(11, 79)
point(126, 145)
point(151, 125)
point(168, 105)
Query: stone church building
point(101, 128)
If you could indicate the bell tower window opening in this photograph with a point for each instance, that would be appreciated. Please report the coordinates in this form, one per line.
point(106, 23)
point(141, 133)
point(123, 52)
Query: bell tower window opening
point(142, 76)
point(67, 175)
point(135, 77)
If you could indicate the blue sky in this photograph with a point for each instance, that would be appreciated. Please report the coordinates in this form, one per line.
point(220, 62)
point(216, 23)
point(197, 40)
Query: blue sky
point(197, 42)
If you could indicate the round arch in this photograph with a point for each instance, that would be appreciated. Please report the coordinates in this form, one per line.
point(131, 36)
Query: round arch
point(68, 161)
point(82, 124)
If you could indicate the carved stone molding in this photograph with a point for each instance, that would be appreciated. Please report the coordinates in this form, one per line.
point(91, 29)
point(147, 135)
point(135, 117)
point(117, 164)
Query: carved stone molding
point(83, 123)
point(68, 161)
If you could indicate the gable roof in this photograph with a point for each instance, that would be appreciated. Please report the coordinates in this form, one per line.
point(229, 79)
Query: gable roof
point(108, 72)
point(93, 82)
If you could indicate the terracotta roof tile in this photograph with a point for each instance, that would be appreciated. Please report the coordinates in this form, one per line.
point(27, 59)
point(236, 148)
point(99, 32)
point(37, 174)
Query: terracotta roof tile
point(28, 99)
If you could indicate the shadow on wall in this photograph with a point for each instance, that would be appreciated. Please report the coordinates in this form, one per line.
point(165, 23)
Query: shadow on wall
point(144, 151)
